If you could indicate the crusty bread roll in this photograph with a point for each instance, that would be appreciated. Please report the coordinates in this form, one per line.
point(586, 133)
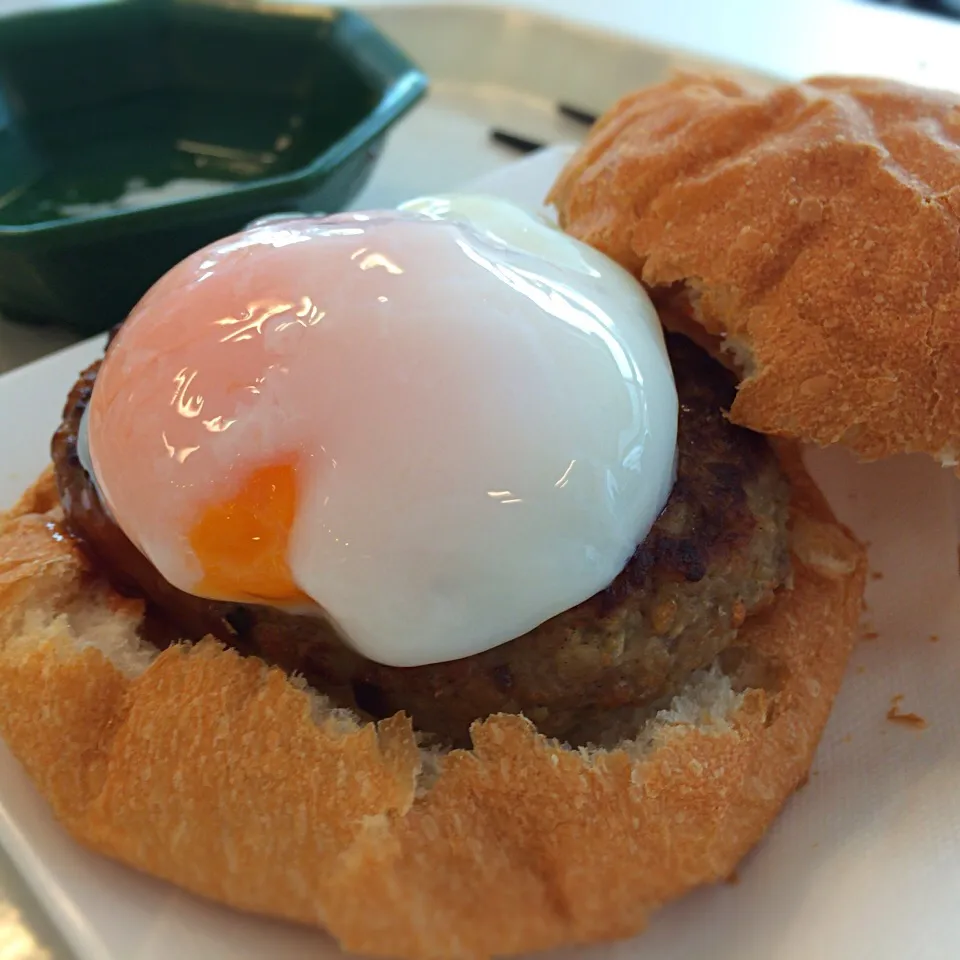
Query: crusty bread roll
point(812, 231)
point(233, 781)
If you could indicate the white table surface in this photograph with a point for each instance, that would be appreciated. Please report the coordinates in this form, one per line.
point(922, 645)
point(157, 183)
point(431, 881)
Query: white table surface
point(791, 38)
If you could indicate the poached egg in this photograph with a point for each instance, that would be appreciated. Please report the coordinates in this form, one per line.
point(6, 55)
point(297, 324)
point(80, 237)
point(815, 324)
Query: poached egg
point(437, 426)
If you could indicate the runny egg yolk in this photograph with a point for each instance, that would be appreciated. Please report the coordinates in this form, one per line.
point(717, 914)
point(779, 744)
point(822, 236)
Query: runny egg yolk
point(437, 427)
point(241, 541)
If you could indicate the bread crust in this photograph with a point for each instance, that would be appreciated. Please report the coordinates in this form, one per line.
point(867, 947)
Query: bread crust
point(814, 228)
point(227, 778)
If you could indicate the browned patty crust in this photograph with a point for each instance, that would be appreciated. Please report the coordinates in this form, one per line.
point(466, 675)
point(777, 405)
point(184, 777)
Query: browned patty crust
point(716, 555)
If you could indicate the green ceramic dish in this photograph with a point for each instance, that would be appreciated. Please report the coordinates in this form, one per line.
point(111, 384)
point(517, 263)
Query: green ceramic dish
point(132, 132)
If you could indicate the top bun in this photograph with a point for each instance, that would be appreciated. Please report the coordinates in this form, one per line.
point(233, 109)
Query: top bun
point(811, 232)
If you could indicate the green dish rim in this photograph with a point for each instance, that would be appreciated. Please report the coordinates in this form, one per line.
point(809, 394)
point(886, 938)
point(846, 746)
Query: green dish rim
point(407, 86)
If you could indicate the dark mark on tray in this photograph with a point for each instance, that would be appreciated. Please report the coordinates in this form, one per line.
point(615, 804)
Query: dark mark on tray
point(515, 141)
point(576, 114)
point(522, 144)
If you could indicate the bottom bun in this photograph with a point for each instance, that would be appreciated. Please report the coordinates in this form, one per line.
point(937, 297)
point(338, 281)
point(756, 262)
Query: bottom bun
point(231, 780)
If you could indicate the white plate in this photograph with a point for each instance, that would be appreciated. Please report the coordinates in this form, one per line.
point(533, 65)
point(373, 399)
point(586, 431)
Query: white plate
point(849, 870)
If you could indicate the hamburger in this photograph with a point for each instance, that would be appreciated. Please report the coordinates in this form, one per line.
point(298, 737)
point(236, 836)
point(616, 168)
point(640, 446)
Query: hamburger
point(570, 778)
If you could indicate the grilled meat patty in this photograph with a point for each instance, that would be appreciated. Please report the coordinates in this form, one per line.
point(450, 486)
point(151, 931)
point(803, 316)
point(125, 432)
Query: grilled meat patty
point(715, 556)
